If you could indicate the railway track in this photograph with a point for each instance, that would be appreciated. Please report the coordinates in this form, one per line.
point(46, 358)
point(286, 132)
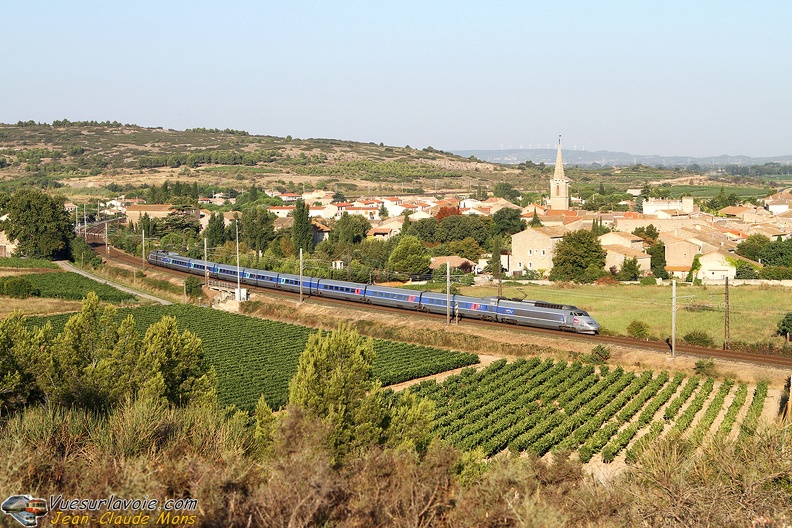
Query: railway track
point(655, 346)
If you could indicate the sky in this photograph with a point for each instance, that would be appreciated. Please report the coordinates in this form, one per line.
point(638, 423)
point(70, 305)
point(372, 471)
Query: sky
point(689, 78)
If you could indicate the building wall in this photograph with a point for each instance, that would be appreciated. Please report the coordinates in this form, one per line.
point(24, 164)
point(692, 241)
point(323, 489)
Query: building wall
point(532, 250)
point(7, 247)
point(680, 253)
point(714, 266)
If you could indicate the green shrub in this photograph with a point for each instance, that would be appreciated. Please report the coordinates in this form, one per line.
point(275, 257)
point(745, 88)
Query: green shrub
point(602, 352)
point(648, 281)
point(638, 330)
point(18, 288)
point(699, 338)
point(705, 367)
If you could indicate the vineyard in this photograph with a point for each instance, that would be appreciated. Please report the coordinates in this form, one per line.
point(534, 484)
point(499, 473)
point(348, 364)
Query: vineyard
point(73, 287)
point(253, 355)
point(539, 406)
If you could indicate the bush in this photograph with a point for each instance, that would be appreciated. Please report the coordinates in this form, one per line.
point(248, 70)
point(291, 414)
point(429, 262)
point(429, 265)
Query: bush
point(638, 330)
point(648, 281)
point(699, 338)
point(746, 271)
point(705, 367)
point(18, 288)
point(607, 280)
point(601, 352)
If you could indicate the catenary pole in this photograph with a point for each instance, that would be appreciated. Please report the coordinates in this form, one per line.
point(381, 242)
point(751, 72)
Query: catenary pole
point(301, 275)
point(448, 292)
point(673, 318)
point(239, 291)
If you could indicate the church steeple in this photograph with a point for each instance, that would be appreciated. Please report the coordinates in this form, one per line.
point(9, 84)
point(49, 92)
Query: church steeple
point(559, 166)
point(559, 185)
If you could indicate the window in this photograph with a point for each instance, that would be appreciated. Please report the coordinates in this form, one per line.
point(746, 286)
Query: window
point(543, 252)
point(530, 251)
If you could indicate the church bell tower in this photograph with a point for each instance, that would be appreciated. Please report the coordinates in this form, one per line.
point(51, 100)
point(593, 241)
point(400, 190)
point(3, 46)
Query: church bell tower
point(559, 185)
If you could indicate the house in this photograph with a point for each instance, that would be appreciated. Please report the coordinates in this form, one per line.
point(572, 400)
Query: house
point(777, 206)
point(529, 210)
point(7, 247)
point(135, 212)
point(289, 197)
point(718, 265)
point(619, 238)
point(534, 248)
point(616, 254)
point(778, 203)
point(323, 211)
point(319, 231)
point(281, 211)
point(369, 213)
point(733, 211)
point(653, 205)
point(680, 252)
point(380, 233)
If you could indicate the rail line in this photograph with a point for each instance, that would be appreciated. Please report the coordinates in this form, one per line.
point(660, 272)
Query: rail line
point(655, 346)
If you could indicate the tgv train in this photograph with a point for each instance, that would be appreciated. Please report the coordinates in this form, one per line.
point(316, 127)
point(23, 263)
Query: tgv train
point(527, 313)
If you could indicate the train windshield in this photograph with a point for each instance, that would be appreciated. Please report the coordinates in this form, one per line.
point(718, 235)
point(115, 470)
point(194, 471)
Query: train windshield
point(580, 314)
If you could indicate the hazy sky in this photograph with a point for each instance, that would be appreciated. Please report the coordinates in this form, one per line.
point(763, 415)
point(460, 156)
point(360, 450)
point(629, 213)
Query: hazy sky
point(692, 77)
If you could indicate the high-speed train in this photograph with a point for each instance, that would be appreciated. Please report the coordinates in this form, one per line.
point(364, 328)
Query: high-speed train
point(527, 313)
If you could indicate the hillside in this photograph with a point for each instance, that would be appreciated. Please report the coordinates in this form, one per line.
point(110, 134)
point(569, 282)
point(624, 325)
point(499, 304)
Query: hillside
point(99, 160)
point(89, 154)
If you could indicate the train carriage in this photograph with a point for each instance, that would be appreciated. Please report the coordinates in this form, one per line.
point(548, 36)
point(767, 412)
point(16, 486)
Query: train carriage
point(394, 297)
point(351, 291)
point(527, 313)
point(475, 307)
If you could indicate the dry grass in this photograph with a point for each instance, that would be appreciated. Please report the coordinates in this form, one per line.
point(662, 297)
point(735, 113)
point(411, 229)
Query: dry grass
point(37, 306)
point(755, 310)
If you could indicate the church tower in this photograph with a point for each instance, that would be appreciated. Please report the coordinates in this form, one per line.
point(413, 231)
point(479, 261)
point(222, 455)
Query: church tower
point(559, 185)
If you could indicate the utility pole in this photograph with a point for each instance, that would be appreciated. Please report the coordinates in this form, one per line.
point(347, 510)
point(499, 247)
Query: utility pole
point(206, 267)
point(301, 275)
point(448, 292)
point(107, 242)
point(726, 329)
point(144, 248)
point(239, 291)
point(673, 318)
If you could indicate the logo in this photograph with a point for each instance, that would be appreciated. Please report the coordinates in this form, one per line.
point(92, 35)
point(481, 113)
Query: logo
point(575, 321)
point(24, 509)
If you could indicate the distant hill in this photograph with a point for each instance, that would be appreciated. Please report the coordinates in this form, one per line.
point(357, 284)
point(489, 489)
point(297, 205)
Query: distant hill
point(608, 158)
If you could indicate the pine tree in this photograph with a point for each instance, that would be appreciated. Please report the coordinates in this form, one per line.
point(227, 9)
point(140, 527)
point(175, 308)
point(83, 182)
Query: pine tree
point(335, 382)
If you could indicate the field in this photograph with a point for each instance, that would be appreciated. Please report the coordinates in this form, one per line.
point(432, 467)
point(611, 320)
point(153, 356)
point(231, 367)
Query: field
point(755, 310)
point(253, 355)
point(74, 287)
point(539, 406)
